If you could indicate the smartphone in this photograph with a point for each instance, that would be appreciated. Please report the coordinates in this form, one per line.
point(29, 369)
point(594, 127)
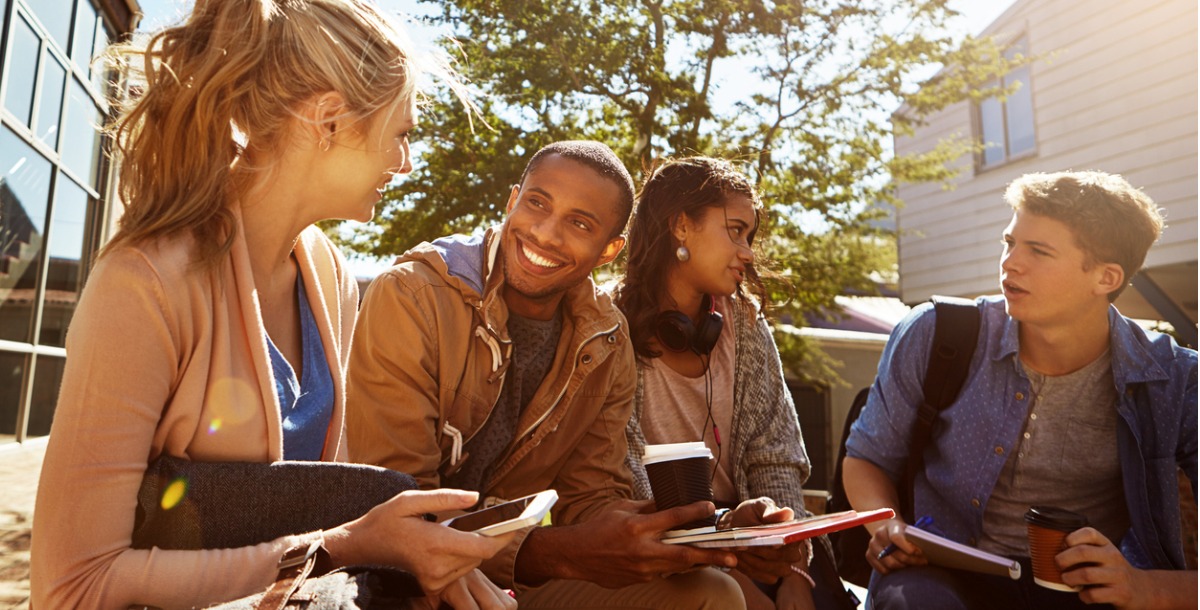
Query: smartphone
point(506, 517)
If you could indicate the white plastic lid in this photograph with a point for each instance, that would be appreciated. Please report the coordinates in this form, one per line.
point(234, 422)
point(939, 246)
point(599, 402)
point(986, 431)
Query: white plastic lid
point(675, 451)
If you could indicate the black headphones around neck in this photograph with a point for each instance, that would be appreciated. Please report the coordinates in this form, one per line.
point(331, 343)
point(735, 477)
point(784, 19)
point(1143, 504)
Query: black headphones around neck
point(676, 332)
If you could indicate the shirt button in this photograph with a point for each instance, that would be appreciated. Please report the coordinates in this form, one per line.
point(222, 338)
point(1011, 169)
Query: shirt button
point(999, 450)
point(975, 502)
point(1033, 416)
point(1021, 454)
point(1020, 396)
point(1026, 435)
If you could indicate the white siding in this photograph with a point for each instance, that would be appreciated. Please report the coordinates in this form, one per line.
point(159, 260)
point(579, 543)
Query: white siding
point(1115, 92)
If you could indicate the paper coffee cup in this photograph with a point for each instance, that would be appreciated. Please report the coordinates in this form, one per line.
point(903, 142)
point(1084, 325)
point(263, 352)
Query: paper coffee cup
point(1048, 527)
point(680, 474)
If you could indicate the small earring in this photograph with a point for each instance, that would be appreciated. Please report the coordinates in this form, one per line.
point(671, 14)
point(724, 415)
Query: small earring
point(683, 254)
point(323, 144)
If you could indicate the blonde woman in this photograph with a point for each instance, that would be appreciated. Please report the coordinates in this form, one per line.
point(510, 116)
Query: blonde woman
point(216, 325)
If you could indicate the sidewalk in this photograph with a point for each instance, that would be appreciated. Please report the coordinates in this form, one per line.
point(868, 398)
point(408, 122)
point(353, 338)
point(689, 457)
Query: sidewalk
point(19, 469)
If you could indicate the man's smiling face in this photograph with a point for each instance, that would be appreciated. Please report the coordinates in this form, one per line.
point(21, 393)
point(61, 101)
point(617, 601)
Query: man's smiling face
point(559, 228)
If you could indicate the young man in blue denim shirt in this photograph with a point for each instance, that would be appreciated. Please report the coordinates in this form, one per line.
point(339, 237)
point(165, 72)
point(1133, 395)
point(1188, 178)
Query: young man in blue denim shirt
point(1067, 403)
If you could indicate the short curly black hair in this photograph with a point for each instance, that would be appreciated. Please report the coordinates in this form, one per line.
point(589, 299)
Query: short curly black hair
point(599, 157)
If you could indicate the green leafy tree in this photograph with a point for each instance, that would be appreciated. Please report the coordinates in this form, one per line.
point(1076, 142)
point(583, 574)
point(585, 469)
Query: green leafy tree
point(802, 93)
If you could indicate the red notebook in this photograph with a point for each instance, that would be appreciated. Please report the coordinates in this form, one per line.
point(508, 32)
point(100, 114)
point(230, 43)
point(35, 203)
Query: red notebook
point(778, 534)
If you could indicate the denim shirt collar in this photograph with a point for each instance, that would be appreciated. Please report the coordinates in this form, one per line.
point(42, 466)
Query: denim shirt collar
point(1132, 362)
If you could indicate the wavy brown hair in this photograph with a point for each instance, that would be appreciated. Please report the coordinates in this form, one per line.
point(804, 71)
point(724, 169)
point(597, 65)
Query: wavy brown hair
point(675, 187)
point(1112, 221)
point(223, 86)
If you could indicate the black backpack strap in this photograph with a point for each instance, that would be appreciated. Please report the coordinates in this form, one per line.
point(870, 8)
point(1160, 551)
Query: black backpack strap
point(954, 340)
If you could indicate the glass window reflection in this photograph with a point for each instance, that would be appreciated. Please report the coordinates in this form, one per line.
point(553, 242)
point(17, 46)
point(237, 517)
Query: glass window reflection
point(50, 104)
point(1020, 113)
point(991, 122)
point(85, 34)
point(67, 239)
point(21, 69)
point(24, 190)
point(55, 16)
point(81, 138)
point(12, 371)
point(47, 376)
point(99, 70)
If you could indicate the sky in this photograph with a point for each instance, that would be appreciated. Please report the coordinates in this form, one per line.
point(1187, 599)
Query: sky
point(976, 15)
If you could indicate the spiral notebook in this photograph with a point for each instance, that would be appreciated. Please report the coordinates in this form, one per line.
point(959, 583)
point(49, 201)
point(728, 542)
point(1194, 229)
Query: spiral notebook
point(778, 534)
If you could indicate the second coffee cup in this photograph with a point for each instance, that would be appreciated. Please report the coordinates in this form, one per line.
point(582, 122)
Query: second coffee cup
point(1048, 527)
point(680, 474)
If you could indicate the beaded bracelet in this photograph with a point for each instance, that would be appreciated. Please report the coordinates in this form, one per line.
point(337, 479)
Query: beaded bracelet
point(804, 574)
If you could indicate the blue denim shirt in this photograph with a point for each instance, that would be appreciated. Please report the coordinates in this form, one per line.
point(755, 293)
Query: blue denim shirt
point(1155, 382)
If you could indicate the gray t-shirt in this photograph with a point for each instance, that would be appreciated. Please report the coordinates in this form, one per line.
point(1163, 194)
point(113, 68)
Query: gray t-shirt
point(534, 344)
point(1066, 457)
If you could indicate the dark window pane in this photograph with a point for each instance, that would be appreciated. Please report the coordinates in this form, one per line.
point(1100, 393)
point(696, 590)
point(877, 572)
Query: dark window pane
point(22, 69)
point(81, 138)
point(47, 376)
point(12, 372)
point(991, 123)
point(24, 190)
point(69, 226)
point(55, 16)
point(1019, 110)
point(50, 105)
point(85, 34)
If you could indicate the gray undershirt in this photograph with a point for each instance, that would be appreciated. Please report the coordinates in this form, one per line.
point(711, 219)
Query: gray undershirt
point(534, 345)
point(1066, 456)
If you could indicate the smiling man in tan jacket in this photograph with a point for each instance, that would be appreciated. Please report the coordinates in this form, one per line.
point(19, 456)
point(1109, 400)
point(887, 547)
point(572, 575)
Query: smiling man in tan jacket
point(493, 363)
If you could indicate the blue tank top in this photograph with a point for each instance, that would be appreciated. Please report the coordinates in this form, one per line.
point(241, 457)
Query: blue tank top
point(305, 407)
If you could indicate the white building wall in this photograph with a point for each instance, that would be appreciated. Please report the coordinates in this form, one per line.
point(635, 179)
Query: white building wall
point(1115, 91)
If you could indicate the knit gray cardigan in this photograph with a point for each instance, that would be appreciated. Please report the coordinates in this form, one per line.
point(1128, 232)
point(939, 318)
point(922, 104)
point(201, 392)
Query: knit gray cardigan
point(765, 444)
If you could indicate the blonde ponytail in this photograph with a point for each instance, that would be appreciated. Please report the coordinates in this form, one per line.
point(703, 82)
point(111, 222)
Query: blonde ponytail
point(226, 83)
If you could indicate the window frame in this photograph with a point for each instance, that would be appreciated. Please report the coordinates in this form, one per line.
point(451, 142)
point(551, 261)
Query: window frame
point(99, 190)
point(977, 119)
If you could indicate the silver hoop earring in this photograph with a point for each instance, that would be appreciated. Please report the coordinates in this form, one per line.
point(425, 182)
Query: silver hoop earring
point(683, 254)
point(324, 145)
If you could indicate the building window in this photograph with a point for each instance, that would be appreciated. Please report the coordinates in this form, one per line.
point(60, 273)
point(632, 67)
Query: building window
point(1005, 125)
point(52, 182)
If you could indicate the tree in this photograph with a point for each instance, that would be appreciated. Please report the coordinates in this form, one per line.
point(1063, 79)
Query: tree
point(812, 126)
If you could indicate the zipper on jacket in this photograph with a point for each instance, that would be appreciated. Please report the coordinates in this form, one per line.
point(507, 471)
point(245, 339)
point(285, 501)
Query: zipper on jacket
point(574, 366)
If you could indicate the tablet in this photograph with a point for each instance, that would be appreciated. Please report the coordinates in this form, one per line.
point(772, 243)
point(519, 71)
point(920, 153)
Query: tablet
point(506, 517)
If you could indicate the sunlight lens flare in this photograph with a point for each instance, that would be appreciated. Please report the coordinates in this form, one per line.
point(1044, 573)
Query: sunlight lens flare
point(174, 493)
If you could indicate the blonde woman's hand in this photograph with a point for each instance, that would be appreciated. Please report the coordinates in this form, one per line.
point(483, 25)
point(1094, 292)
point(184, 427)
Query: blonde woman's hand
point(396, 534)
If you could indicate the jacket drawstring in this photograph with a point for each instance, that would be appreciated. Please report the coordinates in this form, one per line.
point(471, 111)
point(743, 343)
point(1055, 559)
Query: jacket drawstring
point(457, 442)
point(499, 363)
point(487, 337)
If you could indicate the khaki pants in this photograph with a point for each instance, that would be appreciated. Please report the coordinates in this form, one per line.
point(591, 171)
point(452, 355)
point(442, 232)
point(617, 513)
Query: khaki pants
point(704, 589)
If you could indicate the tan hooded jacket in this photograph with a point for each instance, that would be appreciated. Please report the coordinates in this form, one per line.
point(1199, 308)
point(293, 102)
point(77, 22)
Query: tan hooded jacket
point(431, 350)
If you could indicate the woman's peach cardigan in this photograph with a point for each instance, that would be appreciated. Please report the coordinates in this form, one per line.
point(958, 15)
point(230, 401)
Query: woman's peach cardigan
point(163, 358)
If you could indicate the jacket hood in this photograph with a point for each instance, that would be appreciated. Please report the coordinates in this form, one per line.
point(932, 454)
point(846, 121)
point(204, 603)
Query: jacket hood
point(472, 263)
